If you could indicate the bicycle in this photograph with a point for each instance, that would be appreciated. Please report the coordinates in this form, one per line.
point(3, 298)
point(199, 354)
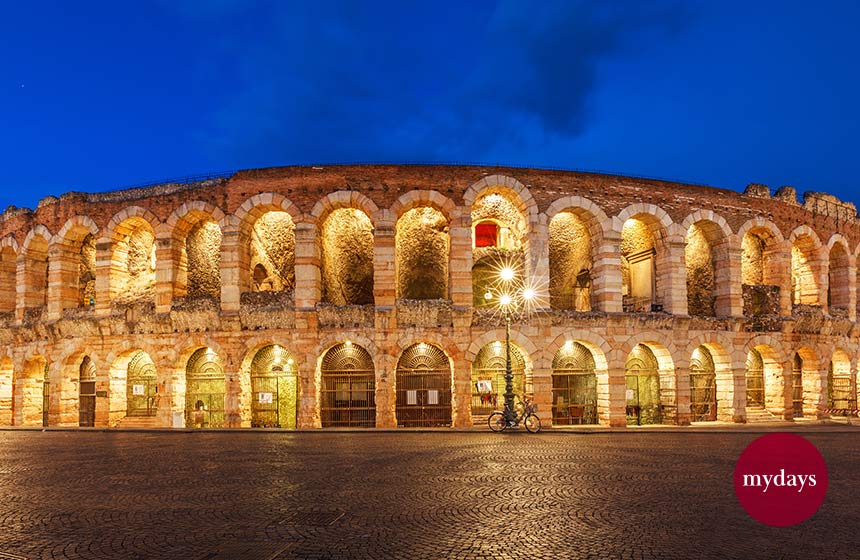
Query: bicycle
point(527, 417)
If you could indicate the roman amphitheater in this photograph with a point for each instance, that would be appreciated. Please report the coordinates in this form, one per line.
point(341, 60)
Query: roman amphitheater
point(357, 296)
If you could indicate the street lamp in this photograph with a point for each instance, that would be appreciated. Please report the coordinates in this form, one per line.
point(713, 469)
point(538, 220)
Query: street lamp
point(509, 296)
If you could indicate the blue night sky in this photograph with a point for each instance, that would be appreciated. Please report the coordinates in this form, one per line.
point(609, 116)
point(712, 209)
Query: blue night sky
point(97, 96)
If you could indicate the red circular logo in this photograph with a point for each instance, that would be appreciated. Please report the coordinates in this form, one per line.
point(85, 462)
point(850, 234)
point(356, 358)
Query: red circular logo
point(781, 479)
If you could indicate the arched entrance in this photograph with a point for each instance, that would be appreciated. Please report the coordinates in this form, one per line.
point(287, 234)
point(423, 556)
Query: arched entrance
point(755, 379)
point(642, 378)
point(423, 387)
point(488, 379)
point(141, 387)
point(347, 396)
point(839, 395)
point(274, 388)
point(574, 386)
point(703, 386)
point(87, 393)
point(204, 390)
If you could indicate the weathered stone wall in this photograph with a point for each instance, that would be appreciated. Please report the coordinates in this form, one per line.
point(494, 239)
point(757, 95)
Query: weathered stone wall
point(354, 260)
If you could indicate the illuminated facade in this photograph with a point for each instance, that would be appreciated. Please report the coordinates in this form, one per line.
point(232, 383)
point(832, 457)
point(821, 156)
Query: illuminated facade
point(353, 296)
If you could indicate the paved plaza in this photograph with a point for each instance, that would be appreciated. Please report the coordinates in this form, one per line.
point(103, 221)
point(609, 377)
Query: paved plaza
point(78, 494)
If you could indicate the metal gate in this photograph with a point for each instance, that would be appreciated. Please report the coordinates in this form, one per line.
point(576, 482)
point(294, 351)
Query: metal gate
point(87, 393)
point(797, 386)
point(274, 388)
point(574, 386)
point(703, 386)
point(204, 390)
point(755, 379)
point(642, 379)
point(488, 379)
point(839, 390)
point(348, 394)
point(141, 387)
point(423, 387)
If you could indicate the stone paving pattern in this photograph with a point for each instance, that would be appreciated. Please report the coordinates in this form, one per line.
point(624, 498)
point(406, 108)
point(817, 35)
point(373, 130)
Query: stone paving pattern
point(402, 495)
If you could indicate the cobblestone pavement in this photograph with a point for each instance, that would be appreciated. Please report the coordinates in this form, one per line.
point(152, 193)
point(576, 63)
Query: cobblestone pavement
point(402, 495)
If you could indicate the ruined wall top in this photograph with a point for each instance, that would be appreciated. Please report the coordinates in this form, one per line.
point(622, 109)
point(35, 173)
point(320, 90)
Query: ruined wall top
point(304, 186)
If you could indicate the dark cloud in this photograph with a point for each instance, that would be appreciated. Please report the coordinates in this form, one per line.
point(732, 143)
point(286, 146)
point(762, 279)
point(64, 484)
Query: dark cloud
point(418, 83)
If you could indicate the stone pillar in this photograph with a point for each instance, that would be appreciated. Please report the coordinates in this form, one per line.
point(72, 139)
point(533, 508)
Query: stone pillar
point(461, 398)
point(308, 281)
point(672, 279)
point(232, 391)
point(55, 283)
point(815, 387)
point(104, 268)
point(538, 268)
point(165, 273)
point(384, 266)
point(308, 416)
point(739, 394)
point(542, 388)
point(852, 288)
point(727, 277)
point(460, 269)
point(230, 248)
point(606, 275)
point(780, 258)
point(682, 395)
point(386, 396)
point(617, 390)
point(171, 391)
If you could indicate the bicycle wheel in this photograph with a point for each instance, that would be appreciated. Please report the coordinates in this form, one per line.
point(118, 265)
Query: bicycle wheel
point(497, 422)
point(532, 423)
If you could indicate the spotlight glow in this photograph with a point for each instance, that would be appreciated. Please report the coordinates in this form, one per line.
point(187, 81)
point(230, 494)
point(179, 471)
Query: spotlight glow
point(505, 299)
point(507, 274)
point(528, 294)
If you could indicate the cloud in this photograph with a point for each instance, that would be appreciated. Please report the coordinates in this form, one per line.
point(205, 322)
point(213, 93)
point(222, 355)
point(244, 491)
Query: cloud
point(332, 82)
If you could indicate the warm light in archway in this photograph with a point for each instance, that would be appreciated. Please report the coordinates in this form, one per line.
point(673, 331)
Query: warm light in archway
point(505, 299)
point(528, 294)
point(507, 273)
point(348, 343)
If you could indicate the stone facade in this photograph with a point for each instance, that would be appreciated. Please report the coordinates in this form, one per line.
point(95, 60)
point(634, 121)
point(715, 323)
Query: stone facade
point(180, 268)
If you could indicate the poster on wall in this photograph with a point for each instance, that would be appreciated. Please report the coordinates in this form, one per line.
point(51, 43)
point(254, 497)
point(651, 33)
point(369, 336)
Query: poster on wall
point(265, 398)
point(137, 390)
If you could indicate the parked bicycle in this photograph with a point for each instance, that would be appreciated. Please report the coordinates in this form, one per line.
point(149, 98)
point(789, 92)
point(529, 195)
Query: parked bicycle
point(527, 417)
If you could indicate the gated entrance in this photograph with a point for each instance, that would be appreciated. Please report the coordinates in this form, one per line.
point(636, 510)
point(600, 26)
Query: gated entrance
point(703, 386)
point(423, 387)
point(574, 386)
point(643, 387)
point(797, 386)
point(348, 387)
point(755, 379)
point(488, 379)
point(204, 390)
point(274, 388)
point(141, 387)
point(87, 393)
point(839, 389)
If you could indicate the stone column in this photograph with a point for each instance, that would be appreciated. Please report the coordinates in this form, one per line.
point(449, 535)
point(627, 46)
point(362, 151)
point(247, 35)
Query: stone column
point(386, 396)
point(542, 387)
point(606, 273)
point(308, 416)
point(461, 398)
point(230, 288)
point(672, 279)
point(55, 283)
point(538, 268)
point(308, 282)
point(617, 389)
point(171, 391)
point(727, 277)
point(460, 270)
point(384, 271)
point(104, 267)
point(682, 395)
point(165, 273)
point(852, 288)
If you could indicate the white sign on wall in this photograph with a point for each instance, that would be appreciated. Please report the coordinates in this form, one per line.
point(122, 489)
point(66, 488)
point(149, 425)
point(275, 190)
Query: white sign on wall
point(411, 397)
point(265, 398)
point(629, 394)
point(433, 396)
point(137, 390)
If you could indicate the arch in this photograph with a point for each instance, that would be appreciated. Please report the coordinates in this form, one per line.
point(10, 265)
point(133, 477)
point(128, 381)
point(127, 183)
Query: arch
point(87, 392)
point(840, 396)
point(8, 271)
point(488, 378)
point(423, 198)
point(765, 268)
point(838, 274)
point(517, 337)
point(31, 392)
point(343, 199)
point(33, 287)
point(274, 389)
point(649, 385)
point(196, 249)
point(572, 250)
point(805, 266)
point(130, 234)
point(424, 386)
point(205, 389)
point(348, 387)
point(525, 202)
point(764, 380)
point(133, 384)
point(74, 260)
point(708, 266)
point(574, 385)
point(267, 238)
point(346, 242)
point(645, 259)
point(422, 254)
point(725, 379)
